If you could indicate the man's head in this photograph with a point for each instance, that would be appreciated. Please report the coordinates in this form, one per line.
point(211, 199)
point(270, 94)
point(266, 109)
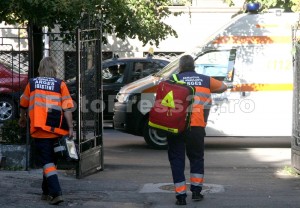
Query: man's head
point(122, 68)
point(186, 63)
point(47, 67)
point(113, 69)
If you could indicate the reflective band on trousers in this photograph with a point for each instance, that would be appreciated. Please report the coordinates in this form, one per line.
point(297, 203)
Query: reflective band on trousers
point(49, 170)
point(197, 179)
point(180, 188)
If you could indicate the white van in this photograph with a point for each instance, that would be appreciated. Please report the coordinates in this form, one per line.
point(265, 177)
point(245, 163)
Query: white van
point(253, 55)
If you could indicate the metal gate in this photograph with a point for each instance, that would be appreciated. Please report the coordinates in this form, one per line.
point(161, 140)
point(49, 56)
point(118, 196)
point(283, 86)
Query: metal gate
point(295, 143)
point(80, 62)
point(13, 70)
point(89, 128)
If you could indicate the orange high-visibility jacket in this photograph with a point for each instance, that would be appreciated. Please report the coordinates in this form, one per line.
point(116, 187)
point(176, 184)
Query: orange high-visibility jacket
point(203, 85)
point(46, 98)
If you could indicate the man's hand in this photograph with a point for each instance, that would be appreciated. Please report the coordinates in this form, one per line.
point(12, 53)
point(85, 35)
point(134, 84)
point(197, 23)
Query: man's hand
point(71, 132)
point(68, 116)
point(22, 122)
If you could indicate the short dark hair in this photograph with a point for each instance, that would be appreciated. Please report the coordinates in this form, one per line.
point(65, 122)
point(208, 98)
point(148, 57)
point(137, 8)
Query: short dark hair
point(186, 63)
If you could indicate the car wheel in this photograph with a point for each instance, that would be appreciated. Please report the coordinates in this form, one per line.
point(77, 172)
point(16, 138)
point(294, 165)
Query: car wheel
point(156, 139)
point(7, 109)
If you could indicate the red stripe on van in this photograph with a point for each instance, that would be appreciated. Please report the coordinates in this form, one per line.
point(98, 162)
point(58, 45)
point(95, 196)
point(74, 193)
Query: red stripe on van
point(262, 87)
point(245, 87)
point(266, 25)
point(252, 40)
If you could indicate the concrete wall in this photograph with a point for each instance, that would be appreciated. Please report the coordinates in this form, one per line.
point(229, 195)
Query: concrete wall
point(197, 22)
point(13, 36)
point(194, 25)
point(13, 156)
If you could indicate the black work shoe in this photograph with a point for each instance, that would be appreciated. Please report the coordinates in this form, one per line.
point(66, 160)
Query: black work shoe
point(45, 197)
point(56, 200)
point(197, 196)
point(181, 201)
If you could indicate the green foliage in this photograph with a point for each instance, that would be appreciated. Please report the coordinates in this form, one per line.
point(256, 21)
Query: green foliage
point(11, 133)
point(288, 170)
point(287, 5)
point(125, 18)
point(180, 2)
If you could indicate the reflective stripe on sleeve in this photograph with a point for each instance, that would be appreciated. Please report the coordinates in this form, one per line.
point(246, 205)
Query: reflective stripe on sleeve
point(66, 97)
point(201, 94)
point(24, 97)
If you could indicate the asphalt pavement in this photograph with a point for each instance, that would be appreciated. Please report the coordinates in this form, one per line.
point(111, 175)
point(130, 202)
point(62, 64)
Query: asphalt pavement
point(238, 174)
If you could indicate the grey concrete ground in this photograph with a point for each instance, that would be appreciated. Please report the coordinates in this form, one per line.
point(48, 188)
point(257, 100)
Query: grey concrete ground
point(238, 173)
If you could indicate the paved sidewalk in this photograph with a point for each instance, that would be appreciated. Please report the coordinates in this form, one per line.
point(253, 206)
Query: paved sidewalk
point(134, 176)
point(22, 189)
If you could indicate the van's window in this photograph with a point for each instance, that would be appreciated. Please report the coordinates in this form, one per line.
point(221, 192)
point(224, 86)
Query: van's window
point(217, 64)
point(121, 72)
point(143, 69)
point(171, 68)
point(114, 73)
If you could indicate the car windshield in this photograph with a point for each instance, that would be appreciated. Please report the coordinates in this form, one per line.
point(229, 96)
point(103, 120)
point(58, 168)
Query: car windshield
point(216, 66)
point(169, 69)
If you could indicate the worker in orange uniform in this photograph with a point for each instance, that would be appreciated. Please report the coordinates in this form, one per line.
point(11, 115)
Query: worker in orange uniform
point(191, 141)
point(47, 101)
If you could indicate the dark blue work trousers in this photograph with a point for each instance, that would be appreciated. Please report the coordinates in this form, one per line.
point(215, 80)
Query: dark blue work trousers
point(46, 156)
point(191, 143)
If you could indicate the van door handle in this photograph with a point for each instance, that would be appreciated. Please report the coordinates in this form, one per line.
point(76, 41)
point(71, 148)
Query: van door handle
point(245, 93)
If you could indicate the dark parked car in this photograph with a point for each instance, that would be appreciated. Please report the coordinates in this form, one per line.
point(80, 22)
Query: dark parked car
point(12, 83)
point(117, 72)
